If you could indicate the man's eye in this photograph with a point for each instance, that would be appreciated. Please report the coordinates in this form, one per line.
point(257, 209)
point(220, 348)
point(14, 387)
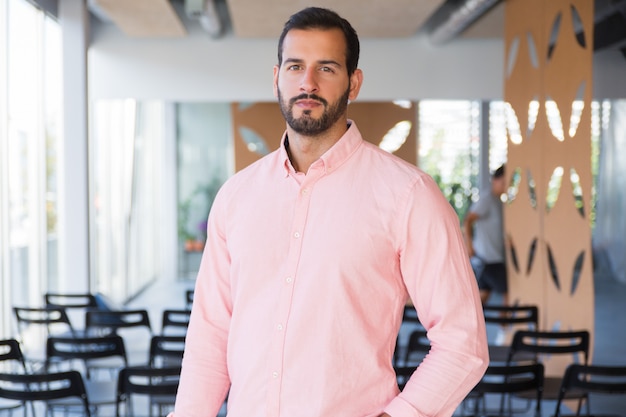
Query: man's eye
point(293, 67)
point(326, 69)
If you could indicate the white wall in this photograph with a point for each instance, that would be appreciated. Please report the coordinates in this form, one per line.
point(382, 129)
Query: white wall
point(198, 68)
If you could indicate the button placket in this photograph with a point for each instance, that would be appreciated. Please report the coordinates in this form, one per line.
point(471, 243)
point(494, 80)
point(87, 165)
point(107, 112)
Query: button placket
point(276, 360)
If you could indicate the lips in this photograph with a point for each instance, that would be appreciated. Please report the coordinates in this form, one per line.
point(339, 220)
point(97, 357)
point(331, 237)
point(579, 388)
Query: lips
point(308, 103)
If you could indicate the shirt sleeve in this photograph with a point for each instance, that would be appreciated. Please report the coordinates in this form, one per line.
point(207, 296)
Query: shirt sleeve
point(204, 380)
point(439, 279)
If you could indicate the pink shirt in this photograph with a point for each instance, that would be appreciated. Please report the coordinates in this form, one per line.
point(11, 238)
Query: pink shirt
point(302, 285)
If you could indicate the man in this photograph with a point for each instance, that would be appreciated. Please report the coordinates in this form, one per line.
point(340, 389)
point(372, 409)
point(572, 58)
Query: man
point(312, 253)
point(484, 236)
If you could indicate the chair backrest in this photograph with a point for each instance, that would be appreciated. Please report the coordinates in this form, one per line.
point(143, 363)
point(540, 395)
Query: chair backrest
point(512, 315)
point(145, 380)
point(10, 351)
point(85, 300)
point(86, 348)
point(166, 350)
point(44, 387)
point(41, 315)
point(550, 343)
point(177, 320)
point(409, 315)
point(589, 379)
point(511, 379)
point(110, 321)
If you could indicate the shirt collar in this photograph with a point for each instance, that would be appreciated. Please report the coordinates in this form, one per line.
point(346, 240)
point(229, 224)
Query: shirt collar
point(332, 158)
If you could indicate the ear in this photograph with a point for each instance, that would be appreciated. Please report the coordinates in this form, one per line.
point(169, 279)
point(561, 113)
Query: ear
point(356, 80)
point(275, 86)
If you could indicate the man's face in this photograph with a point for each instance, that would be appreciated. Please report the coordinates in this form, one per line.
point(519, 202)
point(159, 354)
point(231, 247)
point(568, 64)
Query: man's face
point(498, 185)
point(312, 83)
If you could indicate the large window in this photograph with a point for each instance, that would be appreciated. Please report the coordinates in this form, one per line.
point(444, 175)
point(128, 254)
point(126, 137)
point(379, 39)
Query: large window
point(30, 123)
point(449, 146)
point(126, 149)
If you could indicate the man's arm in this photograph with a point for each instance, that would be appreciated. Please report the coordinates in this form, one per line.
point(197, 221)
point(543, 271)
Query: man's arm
point(204, 379)
point(439, 279)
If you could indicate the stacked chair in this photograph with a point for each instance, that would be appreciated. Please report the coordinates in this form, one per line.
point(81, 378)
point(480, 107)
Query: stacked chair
point(83, 369)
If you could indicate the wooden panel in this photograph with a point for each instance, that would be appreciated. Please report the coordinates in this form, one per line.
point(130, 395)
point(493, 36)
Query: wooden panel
point(553, 68)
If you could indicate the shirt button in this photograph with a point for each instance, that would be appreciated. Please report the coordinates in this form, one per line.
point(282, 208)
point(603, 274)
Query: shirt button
point(296, 235)
point(305, 191)
point(279, 327)
point(289, 279)
point(275, 374)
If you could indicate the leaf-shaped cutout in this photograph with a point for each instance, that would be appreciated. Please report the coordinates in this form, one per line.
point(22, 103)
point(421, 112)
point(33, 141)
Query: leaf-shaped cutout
point(245, 105)
point(513, 254)
point(533, 112)
point(532, 189)
point(579, 29)
point(553, 271)
point(531, 255)
point(578, 267)
point(577, 110)
point(532, 50)
point(577, 191)
point(513, 188)
point(554, 119)
point(512, 125)
point(512, 56)
point(554, 35)
point(396, 136)
point(554, 186)
point(254, 142)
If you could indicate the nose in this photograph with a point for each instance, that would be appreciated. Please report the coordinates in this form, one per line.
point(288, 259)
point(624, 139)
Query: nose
point(308, 83)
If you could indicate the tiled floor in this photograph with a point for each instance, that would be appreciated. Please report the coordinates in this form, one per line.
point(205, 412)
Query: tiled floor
point(610, 330)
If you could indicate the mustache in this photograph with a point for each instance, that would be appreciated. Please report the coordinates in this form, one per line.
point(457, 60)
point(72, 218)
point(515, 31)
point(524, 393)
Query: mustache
point(305, 96)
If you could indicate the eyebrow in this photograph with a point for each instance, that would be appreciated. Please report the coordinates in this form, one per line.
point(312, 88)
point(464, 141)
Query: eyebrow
point(322, 62)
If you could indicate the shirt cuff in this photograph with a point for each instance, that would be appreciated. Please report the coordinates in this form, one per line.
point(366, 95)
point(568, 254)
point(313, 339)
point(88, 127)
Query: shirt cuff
point(400, 408)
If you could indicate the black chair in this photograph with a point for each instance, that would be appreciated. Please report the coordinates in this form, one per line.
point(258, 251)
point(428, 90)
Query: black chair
point(11, 360)
point(591, 379)
point(45, 387)
point(175, 322)
point(158, 384)
point(133, 325)
point(101, 353)
point(70, 300)
point(11, 356)
point(35, 325)
point(111, 321)
point(509, 317)
point(502, 381)
point(542, 344)
point(166, 351)
point(75, 304)
point(95, 353)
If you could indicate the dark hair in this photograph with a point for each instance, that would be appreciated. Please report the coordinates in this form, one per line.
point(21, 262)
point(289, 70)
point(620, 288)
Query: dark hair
point(499, 172)
point(319, 18)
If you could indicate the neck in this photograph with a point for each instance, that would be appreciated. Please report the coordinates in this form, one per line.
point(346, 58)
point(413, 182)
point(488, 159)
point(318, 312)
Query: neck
point(304, 150)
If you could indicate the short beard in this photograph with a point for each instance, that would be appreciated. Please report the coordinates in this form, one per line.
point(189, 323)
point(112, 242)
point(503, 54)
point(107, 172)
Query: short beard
point(305, 124)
